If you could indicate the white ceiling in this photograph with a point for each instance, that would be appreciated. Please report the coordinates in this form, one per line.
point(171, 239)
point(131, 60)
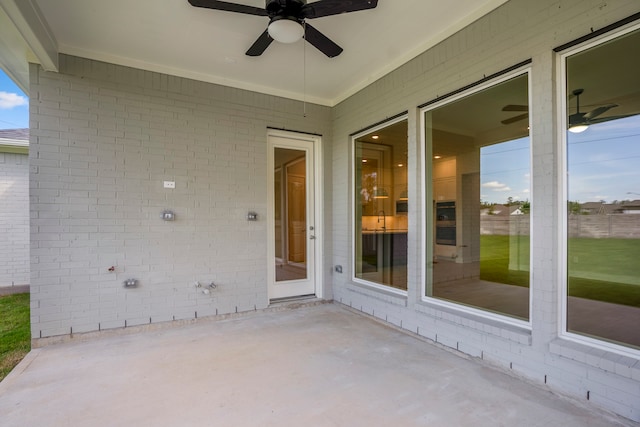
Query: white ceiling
point(171, 36)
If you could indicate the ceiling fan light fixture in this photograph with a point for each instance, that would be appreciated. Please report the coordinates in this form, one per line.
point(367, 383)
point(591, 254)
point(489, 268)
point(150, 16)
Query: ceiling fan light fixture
point(285, 30)
point(579, 128)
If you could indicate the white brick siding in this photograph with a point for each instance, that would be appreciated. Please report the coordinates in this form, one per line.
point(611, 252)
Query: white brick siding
point(105, 138)
point(14, 219)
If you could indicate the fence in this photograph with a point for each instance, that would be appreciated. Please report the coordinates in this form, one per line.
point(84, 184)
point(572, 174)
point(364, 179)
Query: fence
point(623, 226)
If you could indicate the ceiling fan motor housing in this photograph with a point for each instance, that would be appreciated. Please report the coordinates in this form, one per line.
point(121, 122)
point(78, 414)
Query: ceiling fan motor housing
point(282, 8)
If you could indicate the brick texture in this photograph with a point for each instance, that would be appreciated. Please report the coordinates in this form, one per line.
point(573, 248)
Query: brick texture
point(14, 219)
point(105, 138)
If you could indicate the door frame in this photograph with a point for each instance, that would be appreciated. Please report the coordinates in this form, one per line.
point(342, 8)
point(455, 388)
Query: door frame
point(314, 169)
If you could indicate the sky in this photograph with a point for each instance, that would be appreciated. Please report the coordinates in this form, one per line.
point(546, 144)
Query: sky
point(14, 105)
point(603, 164)
point(505, 171)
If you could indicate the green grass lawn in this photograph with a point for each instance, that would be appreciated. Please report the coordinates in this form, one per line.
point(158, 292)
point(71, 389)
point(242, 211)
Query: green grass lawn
point(15, 333)
point(605, 270)
point(599, 269)
point(494, 259)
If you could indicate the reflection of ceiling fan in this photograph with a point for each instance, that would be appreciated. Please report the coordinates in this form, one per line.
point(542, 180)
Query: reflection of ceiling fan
point(517, 118)
point(579, 122)
point(287, 20)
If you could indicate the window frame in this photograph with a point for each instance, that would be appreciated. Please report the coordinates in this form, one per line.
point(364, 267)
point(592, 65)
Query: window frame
point(563, 193)
point(426, 218)
point(373, 285)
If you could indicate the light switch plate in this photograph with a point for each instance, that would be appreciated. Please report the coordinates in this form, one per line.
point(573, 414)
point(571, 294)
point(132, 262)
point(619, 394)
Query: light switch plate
point(169, 184)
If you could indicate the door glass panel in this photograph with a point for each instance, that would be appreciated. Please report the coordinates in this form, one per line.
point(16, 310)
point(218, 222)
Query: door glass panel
point(290, 214)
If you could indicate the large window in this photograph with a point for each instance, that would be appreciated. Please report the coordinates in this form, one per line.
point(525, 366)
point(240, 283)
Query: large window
point(477, 219)
point(381, 202)
point(603, 191)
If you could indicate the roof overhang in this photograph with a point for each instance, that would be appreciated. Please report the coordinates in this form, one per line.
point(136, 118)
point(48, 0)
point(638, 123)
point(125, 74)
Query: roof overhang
point(24, 34)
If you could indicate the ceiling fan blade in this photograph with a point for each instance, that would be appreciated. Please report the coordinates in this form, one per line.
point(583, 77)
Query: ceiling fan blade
point(606, 119)
point(597, 111)
point(515, 119)
point(260, 45)
point(229, 7)
point(321, 8)
point(512, 107)
point(321, 42)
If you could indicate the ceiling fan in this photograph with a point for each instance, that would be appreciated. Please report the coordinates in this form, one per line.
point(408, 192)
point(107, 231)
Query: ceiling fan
point(287, 20)
point(517, 118)
point(579, 122)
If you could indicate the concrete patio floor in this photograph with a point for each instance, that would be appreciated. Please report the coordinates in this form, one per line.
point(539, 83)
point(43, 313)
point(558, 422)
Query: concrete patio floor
point(317, 365)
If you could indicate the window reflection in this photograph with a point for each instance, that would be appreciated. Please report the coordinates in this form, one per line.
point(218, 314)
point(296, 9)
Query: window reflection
point(290, 214)
point(603, 194)
point(381, 201)
point(478, 251)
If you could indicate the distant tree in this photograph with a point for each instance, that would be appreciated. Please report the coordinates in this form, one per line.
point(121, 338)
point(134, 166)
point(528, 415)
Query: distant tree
point(485, 205)
point(525, 207)
point(509, 201)
point(574, 208)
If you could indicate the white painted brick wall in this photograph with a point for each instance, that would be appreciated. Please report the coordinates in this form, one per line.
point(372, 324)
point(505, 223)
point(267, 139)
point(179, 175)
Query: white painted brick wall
point(516, 31)
point(105, 138)
point(14, 219)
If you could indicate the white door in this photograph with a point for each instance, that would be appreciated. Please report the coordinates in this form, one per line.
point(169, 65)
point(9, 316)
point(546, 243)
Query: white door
point(292, 243)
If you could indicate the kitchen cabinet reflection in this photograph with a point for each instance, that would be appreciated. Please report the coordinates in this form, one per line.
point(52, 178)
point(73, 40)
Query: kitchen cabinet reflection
point(384, 257)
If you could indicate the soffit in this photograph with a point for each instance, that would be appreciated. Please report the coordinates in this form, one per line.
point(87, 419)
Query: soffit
point(171, 36)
